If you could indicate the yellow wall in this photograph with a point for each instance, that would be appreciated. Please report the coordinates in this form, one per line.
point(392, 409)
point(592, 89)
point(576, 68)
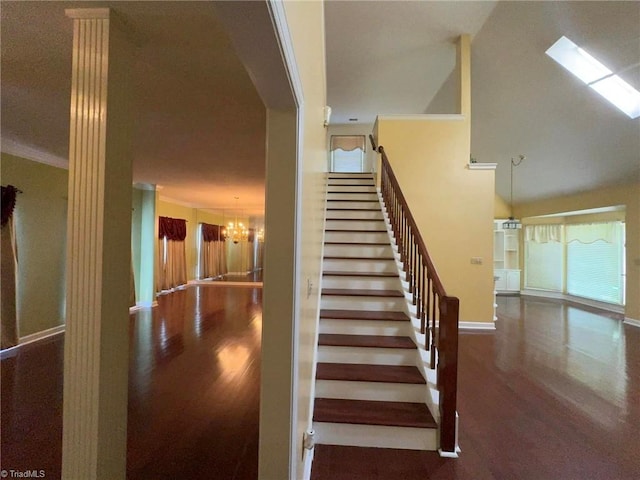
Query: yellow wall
point(41, 230)
point(501, 208)
point(306, 23)
point(453, 206)
point(285, 297)
point(627, 195)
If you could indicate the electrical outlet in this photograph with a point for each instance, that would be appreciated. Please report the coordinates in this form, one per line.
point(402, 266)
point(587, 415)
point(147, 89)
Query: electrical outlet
point(476, 260)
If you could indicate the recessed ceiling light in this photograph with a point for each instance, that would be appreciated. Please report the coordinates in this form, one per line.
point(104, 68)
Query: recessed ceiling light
point(596, 75)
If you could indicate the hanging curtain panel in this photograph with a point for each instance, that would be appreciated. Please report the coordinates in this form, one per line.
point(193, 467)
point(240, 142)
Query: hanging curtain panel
point(172, 233)
point(8, 270)
point(213, 262)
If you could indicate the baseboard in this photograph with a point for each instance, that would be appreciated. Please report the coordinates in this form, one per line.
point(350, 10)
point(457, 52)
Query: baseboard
point(476, 326)
point(632, 322)
point(32, 338)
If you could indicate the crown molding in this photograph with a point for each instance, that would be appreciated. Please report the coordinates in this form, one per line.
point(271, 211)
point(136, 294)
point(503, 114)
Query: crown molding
point(34, 154)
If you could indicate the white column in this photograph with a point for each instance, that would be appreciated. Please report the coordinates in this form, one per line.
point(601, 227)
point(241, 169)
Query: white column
point(94, 435)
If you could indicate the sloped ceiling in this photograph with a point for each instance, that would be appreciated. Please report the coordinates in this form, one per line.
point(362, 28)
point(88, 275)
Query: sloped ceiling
point(397, 57)
point(200, 123)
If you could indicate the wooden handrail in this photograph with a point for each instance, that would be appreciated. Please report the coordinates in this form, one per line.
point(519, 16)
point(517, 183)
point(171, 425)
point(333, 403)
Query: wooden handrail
point(438, 313)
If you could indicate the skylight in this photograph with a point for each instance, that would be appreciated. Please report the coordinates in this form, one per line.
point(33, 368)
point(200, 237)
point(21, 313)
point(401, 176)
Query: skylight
point(596, 75)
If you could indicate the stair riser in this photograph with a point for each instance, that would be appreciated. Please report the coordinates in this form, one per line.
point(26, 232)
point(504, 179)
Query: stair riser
point(365, 327)
point(352, 265)
point(372, 355)
point(350, 181)
point(353, 188)
point(375, 436)
point(351, 390)
point(370, 197)
point(372, 251)
point(368, 175)
point(365, 283)
point(355, 205)
point(371, 215)
point(386, 304)
point(351, 237)
point(349, 224)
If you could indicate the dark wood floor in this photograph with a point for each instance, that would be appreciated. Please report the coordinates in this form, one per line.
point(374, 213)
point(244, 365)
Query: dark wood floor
point(554, 393)
point(194, 383)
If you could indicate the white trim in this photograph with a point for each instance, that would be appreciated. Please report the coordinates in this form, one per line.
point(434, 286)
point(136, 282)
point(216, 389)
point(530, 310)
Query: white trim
point(632, 321)
point(609, 307)
point(32, 338)
point(17, 149)
point(88, 13)
point(281, 28)
point(476, 326)
point(437, 117)
point(482, 166)
point(444, 454)
point(142, 306)
point(222, 283)
point(307, 461)
point(164, 198)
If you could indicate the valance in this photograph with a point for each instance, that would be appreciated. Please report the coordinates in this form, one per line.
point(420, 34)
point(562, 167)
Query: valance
point(172, 228)
point(592, 232)
point(347, 142)
point(212, 233)
point(8, 202)
point(543, 233)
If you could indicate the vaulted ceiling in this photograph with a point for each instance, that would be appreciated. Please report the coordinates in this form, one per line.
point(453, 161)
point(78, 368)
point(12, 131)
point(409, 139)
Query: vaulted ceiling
point(200, 121)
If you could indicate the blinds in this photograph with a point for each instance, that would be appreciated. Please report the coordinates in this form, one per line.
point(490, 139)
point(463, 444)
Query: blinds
point(543, 264)
point(593, 254)
point(595, 257)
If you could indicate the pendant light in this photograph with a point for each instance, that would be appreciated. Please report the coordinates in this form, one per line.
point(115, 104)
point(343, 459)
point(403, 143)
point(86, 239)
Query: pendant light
point(512, 223)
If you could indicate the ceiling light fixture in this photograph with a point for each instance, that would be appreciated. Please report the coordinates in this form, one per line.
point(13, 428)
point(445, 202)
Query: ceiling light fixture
point(236, 231)
point(600, 78)
point(512, 223)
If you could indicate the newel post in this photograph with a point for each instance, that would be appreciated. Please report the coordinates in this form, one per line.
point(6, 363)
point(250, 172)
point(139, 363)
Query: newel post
point(448, 373)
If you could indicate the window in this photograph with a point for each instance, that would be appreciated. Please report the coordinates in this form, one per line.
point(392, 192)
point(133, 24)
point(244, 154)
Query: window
point(600, 78)
point(347, 153)
point(595, 260)
point(584, 260)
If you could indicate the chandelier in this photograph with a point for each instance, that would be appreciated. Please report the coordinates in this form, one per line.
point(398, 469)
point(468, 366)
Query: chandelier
point(236, 231)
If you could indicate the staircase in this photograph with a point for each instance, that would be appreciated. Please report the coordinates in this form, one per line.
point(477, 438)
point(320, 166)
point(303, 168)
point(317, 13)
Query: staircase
point(371, 388)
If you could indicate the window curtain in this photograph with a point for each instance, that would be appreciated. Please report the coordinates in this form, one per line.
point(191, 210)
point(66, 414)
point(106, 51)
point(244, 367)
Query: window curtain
point(172, 258)
point(348, 142)
point(543, 233)
point(8, 269)
point(213, 258)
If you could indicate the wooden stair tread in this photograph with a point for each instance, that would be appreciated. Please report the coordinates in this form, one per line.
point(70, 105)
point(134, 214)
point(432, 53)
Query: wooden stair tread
point(361, 292)
point(330, 273)
point(364, 315)
point(386, 244)
point(370, 373)
point(349, 184)
point(350, 199)
point(345, 257)
point(367, 412)
point(367, 341)
point(351, 230)
point(356, 219)
point(347, 192)
point(354, 210)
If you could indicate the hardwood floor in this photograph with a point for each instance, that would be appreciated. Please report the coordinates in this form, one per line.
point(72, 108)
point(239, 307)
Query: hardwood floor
point(553, 394)
point(194, 383)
